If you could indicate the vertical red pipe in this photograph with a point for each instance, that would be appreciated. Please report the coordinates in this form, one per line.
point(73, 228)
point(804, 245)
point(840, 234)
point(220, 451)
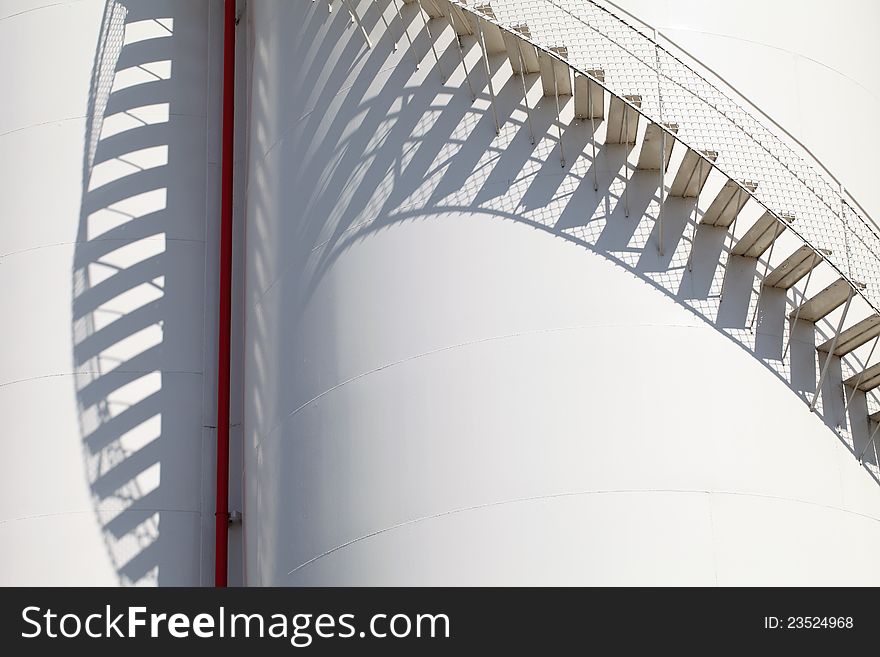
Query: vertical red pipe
point(225, 303)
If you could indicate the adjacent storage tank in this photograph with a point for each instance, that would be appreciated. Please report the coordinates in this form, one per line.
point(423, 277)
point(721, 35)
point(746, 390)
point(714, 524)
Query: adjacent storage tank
point(107, 171)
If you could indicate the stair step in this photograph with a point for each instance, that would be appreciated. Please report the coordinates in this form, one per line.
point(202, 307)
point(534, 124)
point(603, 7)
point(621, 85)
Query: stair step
point(854, 337)
point(517, 47)
point(458, 18)
point(825, 302)
point(866, 381)
point(431, 7)
point(692, 173)
point(795, 267)
point(561, 83)
point(587, 91)
point(491, 32)
point(728, 203)
point(761, 235)
point(649, 157)
point(623, 117)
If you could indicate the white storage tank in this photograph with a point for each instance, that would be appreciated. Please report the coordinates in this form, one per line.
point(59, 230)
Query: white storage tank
point(478, 337)
point(107, 213)
point(466, 366)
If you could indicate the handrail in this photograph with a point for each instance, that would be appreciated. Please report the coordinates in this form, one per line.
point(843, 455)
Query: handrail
point(596, 38)
point(742, 98)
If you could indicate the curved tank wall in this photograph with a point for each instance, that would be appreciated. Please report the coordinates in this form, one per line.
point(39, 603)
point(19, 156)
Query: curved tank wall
point(464, 366)
point(103, 180)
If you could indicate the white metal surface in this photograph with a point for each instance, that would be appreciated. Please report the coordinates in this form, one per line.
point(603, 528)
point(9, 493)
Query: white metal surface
point(656, 149)
point(797, 265)
point(555, 75)
point(426, 289)
point(623, 120)
point(867, 380)
point(728, 203)
point(761, 235)
point(854, 337)
point(425, 399)
point(692, 173)
point(104, 162)
point(523, 56)
point(820, 305)
point(589, 97)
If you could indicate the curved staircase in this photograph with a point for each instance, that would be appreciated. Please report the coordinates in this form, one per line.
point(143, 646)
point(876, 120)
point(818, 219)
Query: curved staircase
point(777, 228)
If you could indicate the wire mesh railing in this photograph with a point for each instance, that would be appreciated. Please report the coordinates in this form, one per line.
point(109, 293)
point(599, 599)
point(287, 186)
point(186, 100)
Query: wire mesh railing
point(708, 119)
